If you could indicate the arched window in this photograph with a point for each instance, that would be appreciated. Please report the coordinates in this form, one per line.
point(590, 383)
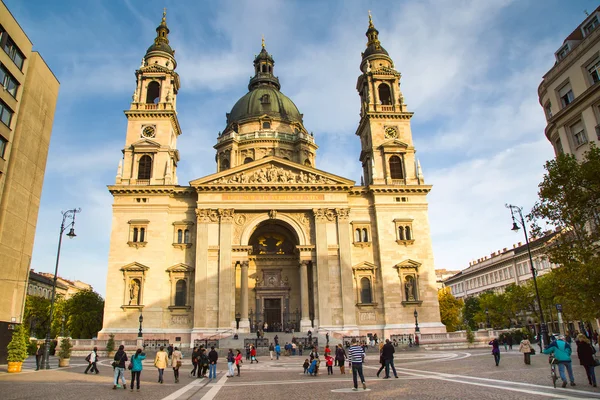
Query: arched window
point(186, 236)
point(145, 167)
point(400, 233)
point(153, 93)
point(385, 95)
point(248, 160)
point(270, 69)
point(357, 235)
point(224, 164)
point(408, 233)
point(365, 291)
point(180, 293)
point(142, 234)
point(307, 163)
point(264, 68)
point(265, 99)
point(365, 235)
point(179, 236)
point(396, 168)
point(266, 125)
point(135, 234)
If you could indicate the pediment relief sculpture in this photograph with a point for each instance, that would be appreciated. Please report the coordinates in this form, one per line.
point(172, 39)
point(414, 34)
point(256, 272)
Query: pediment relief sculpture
point(274, 174)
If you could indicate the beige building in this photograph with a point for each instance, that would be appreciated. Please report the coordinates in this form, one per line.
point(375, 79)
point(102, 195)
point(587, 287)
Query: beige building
point(442, 275)
point(570, 92)
point(269, 237)
point(65, 287)
point(41, 286)
point(27, 103)
point(501, 268)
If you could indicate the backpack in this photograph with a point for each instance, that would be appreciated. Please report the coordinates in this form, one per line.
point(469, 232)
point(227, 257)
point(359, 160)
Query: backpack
point(89, 357)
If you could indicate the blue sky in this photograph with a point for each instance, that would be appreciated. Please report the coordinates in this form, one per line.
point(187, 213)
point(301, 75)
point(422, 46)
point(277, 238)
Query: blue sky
point(470, 71)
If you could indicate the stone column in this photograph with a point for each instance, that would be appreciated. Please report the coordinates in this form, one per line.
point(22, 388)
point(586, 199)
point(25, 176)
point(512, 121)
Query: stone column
point(204, 218)
point(226, 277)
point(244, 322)
point(322, 216)
point(347, 292)
point(305, 323)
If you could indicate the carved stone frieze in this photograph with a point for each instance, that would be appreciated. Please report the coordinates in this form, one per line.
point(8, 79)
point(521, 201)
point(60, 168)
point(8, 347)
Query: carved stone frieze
point(324, 214)
point(226, 214)
point(241, 221)
point(342, 213)
point(273, 214)
point(304, 220)
point(207, 215)
point(274, 174)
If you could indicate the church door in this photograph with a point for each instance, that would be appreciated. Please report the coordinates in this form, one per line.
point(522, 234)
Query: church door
point(273, 314)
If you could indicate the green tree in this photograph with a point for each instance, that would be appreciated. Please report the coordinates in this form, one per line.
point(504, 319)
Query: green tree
point(84, 313)
point(36, 315)
point(17, 347)
point(450, 309)
point(470, 310)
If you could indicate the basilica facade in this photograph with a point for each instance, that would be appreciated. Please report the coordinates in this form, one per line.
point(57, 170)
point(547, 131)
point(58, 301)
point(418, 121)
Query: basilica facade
point(269, 237)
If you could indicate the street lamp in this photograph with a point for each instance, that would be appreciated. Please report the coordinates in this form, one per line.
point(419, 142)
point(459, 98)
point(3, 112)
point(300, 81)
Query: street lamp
point(70, 235)
point(416, 314)
point(519, 211)
point(141, 319)
point(487, 318)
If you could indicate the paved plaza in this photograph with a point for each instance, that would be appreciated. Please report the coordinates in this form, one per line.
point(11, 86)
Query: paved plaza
point(423, 374)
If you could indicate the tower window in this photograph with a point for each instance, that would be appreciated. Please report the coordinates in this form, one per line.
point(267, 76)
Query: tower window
point(153, 93)
point(265, 99)
point(179, 236)
point(180, 293)
point(307, 163)
point(396, 168)
point(247, 160)
point(385, 95)
point(266, 125)
point(186, 236)
point(145, 167)
point(264, 68)
point(224, 164)
point(365, 291)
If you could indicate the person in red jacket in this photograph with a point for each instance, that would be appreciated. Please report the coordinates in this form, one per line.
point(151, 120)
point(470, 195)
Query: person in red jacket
point(253, 354)
point(329, 363)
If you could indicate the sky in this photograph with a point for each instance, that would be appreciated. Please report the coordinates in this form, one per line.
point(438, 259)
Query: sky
point(470, 71)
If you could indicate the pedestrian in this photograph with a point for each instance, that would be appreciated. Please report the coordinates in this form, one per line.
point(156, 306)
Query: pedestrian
point(388, 355)
point(238, 361)
point(276, 338)
point(312, 369)
point(293, 346)
point(327, 337)
point(213, 356)
point(504, 342)
point(340, 356)
point(253, 354)
point(329, 364)
point(585, 352)
point(509, 339)
point(305, 366)
point(136, 368)
point(327, 350)
point(247, 352)
point(119, 365)
point(160, 362)
point(381, 360)
point(92, 359)
point(203, 363)
point(170, 350)
point(300, 347)
point(271, 350)
point(495, 350)
point(176, 363)
point(230, 363)
point(562, 353)
point(357, 357)
point(277, 350)
point(194, 361)
point(525, 348)
point(39, 355)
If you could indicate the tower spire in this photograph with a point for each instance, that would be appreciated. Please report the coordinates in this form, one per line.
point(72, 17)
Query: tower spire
point(263, 41)
point(161, 41)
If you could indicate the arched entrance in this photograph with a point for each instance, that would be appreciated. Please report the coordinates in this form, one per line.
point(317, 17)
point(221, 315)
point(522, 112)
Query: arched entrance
point(273, 266)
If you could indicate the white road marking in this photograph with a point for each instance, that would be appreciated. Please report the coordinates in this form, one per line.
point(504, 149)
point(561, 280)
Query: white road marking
point(175, 395)
point(215, 389)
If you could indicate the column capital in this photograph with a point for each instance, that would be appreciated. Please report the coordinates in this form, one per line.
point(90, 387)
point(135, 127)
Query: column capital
point(244, 264)
point(342, 214)
point(226, 214)
point(303, 263)
point(207, 215)
point(324, 214)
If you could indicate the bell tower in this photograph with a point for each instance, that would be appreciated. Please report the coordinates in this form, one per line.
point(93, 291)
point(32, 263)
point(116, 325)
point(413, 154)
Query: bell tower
point(387, 151)
point(150, 155)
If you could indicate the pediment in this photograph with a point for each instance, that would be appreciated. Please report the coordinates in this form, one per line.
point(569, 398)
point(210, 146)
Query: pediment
point(145, 143)
point(272, 171)
point(180, 268)
point(393, 143)
point(364, 266)
point(135, 266)
point(408, 264)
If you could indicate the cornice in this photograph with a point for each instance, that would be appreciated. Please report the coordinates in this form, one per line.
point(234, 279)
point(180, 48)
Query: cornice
point(248, 187)
point(150, 189)
point(153, 114)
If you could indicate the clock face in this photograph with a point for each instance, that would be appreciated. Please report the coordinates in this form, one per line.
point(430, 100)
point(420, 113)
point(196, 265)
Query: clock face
point(391, 132)
point(148, 132)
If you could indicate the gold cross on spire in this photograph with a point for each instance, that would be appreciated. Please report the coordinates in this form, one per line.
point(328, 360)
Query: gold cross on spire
point(370, 19)
point(263, 41)
point(164, 18)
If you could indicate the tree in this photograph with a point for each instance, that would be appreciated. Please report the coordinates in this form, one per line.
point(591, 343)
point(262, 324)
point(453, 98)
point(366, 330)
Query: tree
point(569, 201)
point(84, 313)
point(17, 347)
point(36, 315)
point(450, 309)
point(470, 310)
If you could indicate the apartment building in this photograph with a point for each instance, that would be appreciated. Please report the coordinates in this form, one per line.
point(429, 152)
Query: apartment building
point(28, 95)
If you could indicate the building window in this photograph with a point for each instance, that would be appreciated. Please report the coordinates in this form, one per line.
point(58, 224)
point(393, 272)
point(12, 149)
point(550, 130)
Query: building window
point(365, 282)
point(14, 53)
point(404, 231)
point(3, 146)
point(181, 236)
point(224, 164)
point(5, 114)
point(153, 93)
point(145, 167)
point(138, 230)
point(180, 276)
point(362, 233)
point(248, 160)
point(365, 291)
point(396, 168)
point(562, 52)
point(180, 293)
point(594, 72)
point(385, 95)
point(307, 163)
point(266, 125)
point(8, 82)
point(548, 110)
point(558, 146)
point(566, 95)
point(578, 132)
point(265, 99)
point(590, 26)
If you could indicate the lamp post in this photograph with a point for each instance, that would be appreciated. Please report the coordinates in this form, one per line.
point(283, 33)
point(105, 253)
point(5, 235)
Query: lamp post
point(487, 318)
point(519, 217)
point(70, 235)
point(416, 314)
point(141, 319)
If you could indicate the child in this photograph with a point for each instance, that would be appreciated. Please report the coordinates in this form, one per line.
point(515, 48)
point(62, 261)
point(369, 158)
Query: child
point(317, 366)
point(313, 367)
point(306, 365)
point(329, 363)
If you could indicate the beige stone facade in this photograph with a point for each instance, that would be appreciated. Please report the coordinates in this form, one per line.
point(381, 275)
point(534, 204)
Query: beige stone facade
point(268, 237)
point(570, 92)
point(27, 102)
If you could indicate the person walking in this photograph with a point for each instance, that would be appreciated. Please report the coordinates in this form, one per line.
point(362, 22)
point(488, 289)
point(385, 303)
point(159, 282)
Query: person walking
point(357, 357)
point(388, 355)
point(119, 364)
point(277, 350)
point(340, 356)
point(238, 361)
point(160, 362)
point(495, 350)
point(176, 357)
point(247, 352)
point(585, 352)
point(213, 356)
point(136, 368)
point(509, 339)
point(327, 339)
point(92, 359)
point(39, 355)
point(203, 363)
point(525, 348)
point(562, 352)
point(253, 354)
point(170, 350)
point(194, 361)
point(276, 338)
point(381, 360)
point(271, 350)
point(230, 363)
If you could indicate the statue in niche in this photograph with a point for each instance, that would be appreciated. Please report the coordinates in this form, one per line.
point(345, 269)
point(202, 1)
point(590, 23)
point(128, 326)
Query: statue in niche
point(409, 288)
point(134, 293)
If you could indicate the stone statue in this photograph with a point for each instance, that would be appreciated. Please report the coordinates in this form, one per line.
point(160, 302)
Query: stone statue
point(134, 293)
point(409, 289)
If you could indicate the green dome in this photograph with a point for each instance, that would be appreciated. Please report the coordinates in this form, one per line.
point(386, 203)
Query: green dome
point(254, 104)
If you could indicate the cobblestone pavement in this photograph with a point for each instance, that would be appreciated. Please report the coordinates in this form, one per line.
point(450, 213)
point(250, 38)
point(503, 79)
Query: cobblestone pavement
point(459, 374)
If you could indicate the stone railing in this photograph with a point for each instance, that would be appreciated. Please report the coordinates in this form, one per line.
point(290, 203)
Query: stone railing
point(458, 339)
